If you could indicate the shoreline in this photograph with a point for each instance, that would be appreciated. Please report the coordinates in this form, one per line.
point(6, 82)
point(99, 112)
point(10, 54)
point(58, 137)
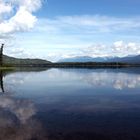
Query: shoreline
point(70, 65)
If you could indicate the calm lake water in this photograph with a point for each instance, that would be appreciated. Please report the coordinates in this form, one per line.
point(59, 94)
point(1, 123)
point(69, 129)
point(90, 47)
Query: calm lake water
point(70, 104)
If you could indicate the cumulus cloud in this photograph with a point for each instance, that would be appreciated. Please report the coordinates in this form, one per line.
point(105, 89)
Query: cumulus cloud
point(96, 50)
point(4, 8)
point(121, 48)
point(21, 19)
point(117, 49)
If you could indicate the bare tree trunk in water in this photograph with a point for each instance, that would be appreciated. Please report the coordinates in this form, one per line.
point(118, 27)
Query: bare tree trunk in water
point(1, 55)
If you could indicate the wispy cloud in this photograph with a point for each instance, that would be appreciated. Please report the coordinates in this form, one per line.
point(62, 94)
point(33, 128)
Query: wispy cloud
point(70, 36)
point(90, 35)
point(92, 23)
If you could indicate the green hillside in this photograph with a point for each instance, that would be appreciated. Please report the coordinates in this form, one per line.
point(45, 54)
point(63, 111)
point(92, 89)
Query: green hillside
point(11, 61)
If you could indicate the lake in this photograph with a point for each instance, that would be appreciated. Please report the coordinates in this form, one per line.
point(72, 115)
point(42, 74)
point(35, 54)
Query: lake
point(70, 104)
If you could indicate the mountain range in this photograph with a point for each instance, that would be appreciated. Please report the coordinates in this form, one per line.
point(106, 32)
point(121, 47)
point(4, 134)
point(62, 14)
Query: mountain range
point(11, 61)
point(127, 59)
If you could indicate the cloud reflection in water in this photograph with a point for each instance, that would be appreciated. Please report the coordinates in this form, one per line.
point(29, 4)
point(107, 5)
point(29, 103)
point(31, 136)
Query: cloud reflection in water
point(101, 78)
point(116, 80)
point(17, 120)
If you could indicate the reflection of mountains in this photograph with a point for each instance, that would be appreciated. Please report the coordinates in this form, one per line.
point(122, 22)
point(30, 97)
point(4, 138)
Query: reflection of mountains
point(1, 81)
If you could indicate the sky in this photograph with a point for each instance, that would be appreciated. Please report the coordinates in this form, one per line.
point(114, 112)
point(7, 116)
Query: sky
point(57, 29)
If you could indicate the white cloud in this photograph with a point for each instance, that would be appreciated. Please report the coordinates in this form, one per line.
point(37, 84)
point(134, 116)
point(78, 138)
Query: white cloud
point(23, 19)
point(30, 5)
point(118, 49)
point(4, 8)
point(70, 36)
point(18, 22)
point(55, 55)
point(97, 50)
point(121, 48)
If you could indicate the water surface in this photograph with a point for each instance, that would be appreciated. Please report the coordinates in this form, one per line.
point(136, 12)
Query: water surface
point(70, 104)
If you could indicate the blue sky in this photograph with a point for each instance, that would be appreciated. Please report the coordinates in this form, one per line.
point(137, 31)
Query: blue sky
point(121, 8)
point(56, 29)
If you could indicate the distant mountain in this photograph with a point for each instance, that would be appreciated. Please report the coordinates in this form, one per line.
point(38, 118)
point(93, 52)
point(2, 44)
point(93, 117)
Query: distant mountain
point(17, 61)
point(128, 59)
point(83, 59)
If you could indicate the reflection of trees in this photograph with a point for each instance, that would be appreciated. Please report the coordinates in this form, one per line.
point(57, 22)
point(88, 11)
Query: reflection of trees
point(1, 81)
point(14, 78)
point(18, 116)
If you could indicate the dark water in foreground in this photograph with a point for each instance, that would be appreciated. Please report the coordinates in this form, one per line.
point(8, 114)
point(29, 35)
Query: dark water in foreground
point(71, 104)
